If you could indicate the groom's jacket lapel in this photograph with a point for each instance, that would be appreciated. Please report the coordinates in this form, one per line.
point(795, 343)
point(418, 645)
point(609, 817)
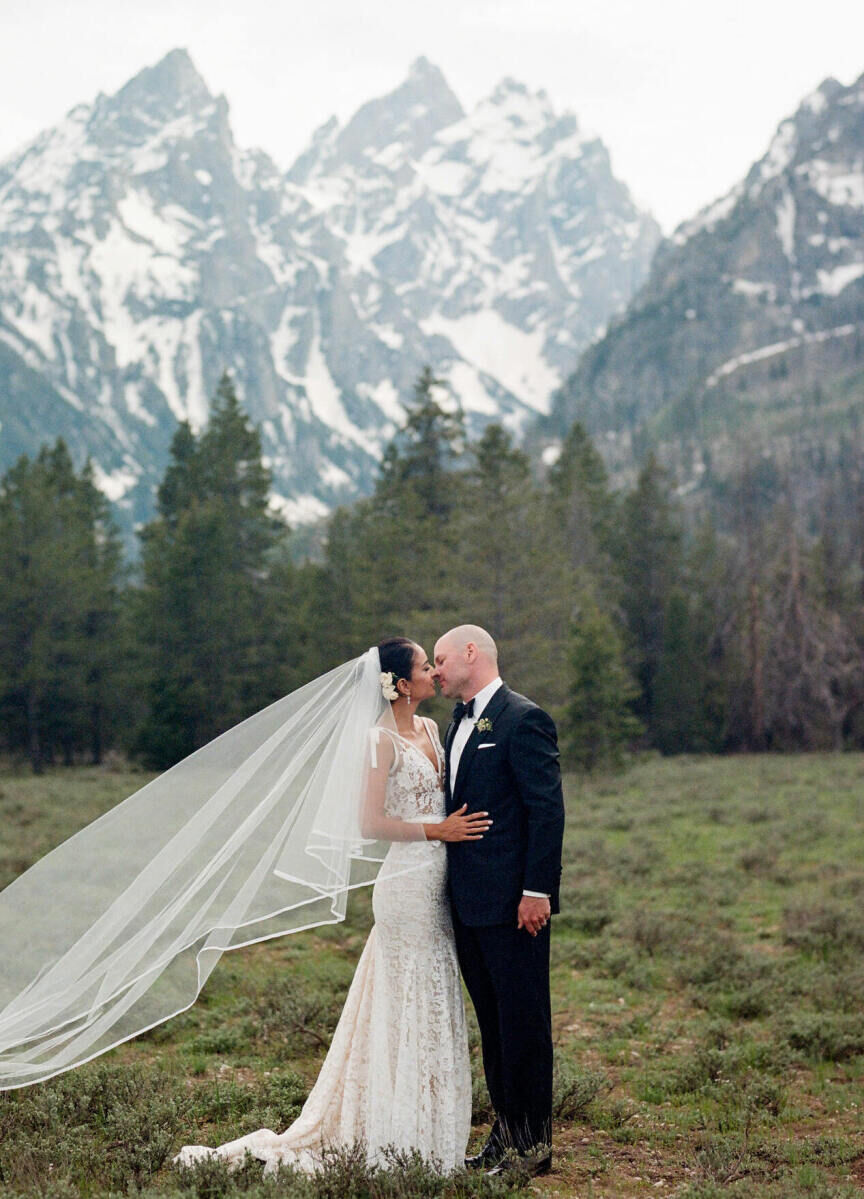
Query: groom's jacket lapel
point(492, 709)
point(448, 742)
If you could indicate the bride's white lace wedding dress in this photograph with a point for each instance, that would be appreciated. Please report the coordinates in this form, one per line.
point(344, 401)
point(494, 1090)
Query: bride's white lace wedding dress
point(397, 1071)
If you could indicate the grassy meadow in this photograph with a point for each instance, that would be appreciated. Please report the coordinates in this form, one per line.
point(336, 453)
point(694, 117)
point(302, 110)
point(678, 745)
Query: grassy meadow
point(708, 999)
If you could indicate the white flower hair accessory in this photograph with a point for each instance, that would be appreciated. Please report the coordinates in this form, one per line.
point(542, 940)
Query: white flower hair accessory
point(388, 685)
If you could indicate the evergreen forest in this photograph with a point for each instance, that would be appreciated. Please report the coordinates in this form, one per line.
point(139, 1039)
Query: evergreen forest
point(639, 621)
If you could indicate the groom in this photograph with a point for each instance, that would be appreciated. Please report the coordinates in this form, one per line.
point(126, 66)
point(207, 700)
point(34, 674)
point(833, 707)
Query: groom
point(502, 758)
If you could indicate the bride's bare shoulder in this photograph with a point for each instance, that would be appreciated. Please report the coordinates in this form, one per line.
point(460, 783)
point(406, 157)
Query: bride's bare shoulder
point(383, 746)
point(432, 726)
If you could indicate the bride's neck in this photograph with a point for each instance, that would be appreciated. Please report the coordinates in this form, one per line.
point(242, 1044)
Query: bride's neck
point(403, 714)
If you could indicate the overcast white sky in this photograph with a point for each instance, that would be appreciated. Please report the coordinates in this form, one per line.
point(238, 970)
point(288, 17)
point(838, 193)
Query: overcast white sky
point(685, 94)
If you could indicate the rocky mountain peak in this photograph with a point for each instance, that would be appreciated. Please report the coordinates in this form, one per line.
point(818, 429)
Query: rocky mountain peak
point(750, 328)
point(424, 75)
point(825, 93)
point(166, 90)
point(520, 104)
point(509, 87)
point(142, 253)
point(165, 103)
point(514, 115)
point(403, 121)
point(816, 155)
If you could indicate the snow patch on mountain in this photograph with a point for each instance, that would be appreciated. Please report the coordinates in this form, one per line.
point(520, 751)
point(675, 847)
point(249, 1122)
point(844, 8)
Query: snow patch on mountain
point(780, 153)
point(785, 215)
point(832, 282)
point(116, 484)
point(775, 349)
point(503, 351)
point(709, 217)
point(142, 253)
point(835, 183)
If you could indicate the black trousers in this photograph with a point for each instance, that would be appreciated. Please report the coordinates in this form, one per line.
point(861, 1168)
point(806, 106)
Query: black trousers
point(506, 971)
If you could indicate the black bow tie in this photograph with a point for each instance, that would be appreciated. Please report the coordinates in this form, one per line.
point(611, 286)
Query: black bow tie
point(463, 710)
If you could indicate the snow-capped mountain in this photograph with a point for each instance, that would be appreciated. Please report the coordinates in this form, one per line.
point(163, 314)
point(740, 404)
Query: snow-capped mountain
point(750, 329)
point(142, 252)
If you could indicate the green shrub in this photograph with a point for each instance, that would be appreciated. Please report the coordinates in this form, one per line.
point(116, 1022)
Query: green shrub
point(585, 910)
point(217, 1042)
point(654, 930)
point(105, 1123)
point(827, 1036)
point(824, 928)
point(272, 1102)
point(481, 1104)
point(573, 1091)
point(743, 1003)
point(344, 1174)
point(711, 958)
point(722, 1159)
point(297, 1015)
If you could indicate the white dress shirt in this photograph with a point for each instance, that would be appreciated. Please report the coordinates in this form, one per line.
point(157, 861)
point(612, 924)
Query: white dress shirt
point(466, 727)
point(460, 740)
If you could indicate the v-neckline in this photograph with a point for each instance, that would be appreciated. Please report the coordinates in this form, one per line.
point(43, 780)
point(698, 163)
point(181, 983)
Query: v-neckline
point(425, 757)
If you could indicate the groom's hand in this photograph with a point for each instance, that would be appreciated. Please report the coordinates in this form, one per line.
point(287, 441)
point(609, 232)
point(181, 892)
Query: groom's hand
point(534, 913)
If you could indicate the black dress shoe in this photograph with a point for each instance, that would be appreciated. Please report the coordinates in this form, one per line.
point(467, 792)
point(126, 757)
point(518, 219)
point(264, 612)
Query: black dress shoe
point(490, 1155)
point(528, 1165)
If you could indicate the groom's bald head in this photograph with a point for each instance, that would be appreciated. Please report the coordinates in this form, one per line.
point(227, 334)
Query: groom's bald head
point(466, 659)
point(471, 634)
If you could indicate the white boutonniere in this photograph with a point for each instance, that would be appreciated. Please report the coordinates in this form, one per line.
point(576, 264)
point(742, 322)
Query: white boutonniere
point(388, 685)
point(483, 725)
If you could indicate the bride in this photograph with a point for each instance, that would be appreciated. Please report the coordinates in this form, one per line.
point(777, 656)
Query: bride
point(261, 833)
point(397, 1071)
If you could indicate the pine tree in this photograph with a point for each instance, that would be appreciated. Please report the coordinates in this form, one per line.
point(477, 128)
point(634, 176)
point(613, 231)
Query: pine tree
point(496, 533)
point(751, 500)
point(649, 562)
point(582, 507)
point(104, 644)
point(59, 609)
point(598, 724)
point(208, 609)
point(501, 573)
point(687, 714)
point(422, 456)
point(390, 559)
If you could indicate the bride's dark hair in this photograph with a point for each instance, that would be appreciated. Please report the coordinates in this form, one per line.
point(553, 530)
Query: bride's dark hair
point(397, 655)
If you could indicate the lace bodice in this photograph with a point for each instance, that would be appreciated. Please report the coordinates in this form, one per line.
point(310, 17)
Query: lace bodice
point(414, 787)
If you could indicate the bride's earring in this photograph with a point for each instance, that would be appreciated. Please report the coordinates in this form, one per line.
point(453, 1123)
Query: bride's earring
point(408, 696)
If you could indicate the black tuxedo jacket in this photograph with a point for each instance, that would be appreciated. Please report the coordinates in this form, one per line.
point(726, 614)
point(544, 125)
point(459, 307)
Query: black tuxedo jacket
point(512, 772)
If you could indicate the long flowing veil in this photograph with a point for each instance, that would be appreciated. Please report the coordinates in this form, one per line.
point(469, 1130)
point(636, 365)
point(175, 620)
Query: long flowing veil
point(257, 834)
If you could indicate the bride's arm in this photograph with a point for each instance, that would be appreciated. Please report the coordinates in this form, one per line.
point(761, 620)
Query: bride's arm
point(374, 821)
